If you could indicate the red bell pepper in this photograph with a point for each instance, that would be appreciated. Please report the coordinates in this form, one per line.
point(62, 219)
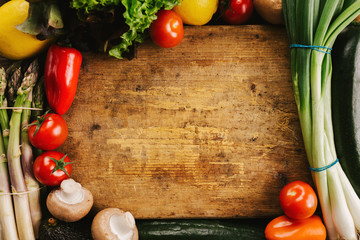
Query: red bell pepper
point(62, 69)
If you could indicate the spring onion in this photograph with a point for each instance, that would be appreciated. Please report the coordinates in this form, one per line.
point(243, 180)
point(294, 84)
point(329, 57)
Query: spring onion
point(314, 25)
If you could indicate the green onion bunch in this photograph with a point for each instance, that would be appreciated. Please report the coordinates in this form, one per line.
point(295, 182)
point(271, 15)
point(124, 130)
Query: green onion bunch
point(312, 27)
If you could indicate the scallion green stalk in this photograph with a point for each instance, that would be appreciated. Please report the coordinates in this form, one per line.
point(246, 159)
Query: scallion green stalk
point(318, 23)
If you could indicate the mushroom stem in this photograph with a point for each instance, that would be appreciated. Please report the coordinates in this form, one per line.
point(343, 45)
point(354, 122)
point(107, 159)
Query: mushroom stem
point(122, 225)
point(70, 202)
point(70, 192)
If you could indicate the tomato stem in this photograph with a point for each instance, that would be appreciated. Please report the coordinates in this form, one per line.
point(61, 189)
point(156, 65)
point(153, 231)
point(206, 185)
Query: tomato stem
point(39, 122)
point(60, 165)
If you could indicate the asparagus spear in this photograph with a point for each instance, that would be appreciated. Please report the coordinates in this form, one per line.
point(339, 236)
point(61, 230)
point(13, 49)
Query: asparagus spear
point(11, 69)
point(21, 201)
point(13, 85)
point(38, 102)
point(4, 119)
point(27, 158)
point(7, 220)
point(38, 99)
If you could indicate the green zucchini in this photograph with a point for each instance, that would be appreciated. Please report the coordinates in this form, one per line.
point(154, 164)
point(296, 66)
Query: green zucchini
point(202, 229)
point(346, 102)
point(179, 229)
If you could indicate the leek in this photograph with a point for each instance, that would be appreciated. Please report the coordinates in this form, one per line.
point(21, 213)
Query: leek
point(315, 24)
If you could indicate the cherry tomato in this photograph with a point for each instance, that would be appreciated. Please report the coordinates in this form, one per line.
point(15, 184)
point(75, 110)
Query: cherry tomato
point(48, 132)
point(52, 167)
point(167, 30)
point(298, 200)
point(285, 228)
point(236, 11)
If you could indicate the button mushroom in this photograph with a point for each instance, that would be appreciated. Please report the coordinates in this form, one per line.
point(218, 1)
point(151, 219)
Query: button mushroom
point(114, 224)
point(70, 202)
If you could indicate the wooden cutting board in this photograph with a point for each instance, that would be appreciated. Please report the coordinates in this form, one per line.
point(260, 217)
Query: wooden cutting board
point(208, 129)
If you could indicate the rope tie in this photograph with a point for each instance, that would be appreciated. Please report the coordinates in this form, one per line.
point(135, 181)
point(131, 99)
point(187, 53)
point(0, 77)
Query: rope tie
point(322, 49)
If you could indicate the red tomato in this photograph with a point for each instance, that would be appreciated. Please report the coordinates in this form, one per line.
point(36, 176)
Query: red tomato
point(285, 228)
point(298, 200)
point(167, 30)
point(48, 132)
point(236, 11)
point(51, 168)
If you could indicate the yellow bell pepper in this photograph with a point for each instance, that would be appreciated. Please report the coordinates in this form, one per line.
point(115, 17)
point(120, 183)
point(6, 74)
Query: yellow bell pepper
point(15, 44)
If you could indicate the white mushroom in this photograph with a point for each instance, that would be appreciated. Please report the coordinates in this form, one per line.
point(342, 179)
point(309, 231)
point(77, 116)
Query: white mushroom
point(114, 224)
point(70, 202)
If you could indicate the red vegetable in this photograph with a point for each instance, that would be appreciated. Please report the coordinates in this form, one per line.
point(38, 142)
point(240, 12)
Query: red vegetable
point(285, 228)
point(52, 167)
point(236, 11)
point(298, 200)
point(48, 132)
point(167, 30)
point(62, 69)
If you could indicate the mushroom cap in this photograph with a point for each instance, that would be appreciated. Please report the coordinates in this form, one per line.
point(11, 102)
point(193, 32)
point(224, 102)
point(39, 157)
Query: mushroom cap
point(69, 212)
point(100, 227)
point(270, 10)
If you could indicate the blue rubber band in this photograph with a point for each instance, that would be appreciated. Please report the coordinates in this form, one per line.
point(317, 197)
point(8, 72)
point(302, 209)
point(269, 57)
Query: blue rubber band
point(324, 168)
point(313, 47)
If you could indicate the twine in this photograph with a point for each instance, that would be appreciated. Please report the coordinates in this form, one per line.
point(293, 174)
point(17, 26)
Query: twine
point(320, 169)
point(21, 108)
point(22, 193)
point(313, 47)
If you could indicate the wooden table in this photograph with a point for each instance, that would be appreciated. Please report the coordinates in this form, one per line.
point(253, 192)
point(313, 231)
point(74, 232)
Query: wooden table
point(208, 129)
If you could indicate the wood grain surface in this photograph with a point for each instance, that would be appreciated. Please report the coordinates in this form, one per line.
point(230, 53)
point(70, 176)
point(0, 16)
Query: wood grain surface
point(208, 129)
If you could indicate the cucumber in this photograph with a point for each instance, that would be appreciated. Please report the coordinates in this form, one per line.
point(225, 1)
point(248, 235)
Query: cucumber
point(202, 229)
point(346, 102)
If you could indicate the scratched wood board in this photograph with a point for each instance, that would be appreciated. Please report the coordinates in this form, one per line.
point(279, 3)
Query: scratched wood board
point(208, 129)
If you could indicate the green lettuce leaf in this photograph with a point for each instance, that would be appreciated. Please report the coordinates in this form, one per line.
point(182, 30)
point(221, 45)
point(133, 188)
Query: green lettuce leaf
point(93, 5)
point(138, 16)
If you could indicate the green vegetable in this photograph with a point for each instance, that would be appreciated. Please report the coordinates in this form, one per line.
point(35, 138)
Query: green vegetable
point(346, 102)
point(7, 217)
point(4, 119)
point(44, 20)
point(53, 229)
point(201, 229)
point(93, 5)
point(138, 16)
point(27, 159)
point(318, 23)
point(18, 184)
